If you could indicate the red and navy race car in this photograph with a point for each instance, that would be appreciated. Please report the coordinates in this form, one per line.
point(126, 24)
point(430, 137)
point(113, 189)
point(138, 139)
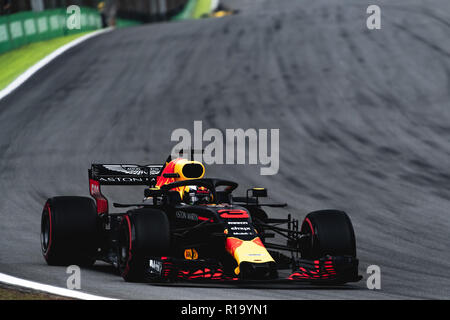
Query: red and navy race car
point(190, 228)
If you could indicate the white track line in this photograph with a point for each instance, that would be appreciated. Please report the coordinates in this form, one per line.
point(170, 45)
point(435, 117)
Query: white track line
point(4, 278)
point(3, 93)
point(42, 63)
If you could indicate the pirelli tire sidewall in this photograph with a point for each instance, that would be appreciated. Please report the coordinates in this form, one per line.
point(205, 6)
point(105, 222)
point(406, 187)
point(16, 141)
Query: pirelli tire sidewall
point(143, 233)
point(69, 231)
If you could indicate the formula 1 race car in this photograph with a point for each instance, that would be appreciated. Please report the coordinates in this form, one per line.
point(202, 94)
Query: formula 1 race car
point(192, 228)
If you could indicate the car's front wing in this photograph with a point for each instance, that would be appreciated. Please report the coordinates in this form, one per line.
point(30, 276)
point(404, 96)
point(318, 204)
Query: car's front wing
point(327, 270)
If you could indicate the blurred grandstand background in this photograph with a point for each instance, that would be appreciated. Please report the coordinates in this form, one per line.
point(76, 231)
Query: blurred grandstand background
point(141, 10)
point(29, 21)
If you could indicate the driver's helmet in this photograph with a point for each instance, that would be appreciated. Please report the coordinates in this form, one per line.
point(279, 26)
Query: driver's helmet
point(197, 195)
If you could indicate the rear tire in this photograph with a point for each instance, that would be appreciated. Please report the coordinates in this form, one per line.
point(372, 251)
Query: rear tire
point(69, 231)
point(331, 233)
point(143, 233)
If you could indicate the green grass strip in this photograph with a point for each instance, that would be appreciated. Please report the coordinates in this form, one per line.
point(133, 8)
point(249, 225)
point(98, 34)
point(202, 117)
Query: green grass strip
point(203, 7)
point(194, 9)
point(15, 62)
point(11, 293)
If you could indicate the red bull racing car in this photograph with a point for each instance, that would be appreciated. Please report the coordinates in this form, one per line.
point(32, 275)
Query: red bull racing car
point(191, 228)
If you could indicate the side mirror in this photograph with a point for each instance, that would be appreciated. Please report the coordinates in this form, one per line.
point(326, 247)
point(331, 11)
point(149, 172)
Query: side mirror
point(259, 192)
point(153, 192)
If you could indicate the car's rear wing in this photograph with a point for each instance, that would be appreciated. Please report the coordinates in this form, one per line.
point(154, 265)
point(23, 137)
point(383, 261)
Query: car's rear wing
point(119, 175)
point(124, 174)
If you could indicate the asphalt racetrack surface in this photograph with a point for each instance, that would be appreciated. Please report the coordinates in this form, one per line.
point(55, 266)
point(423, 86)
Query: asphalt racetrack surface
point(364, 119)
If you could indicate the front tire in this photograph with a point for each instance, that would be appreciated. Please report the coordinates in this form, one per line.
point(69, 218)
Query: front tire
point(331, 233)
point(143, 233)
point(69, 231)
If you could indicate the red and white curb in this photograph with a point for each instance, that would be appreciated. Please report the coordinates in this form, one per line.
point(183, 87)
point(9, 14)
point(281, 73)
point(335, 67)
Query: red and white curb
point(42, 63)
point(4, 278)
